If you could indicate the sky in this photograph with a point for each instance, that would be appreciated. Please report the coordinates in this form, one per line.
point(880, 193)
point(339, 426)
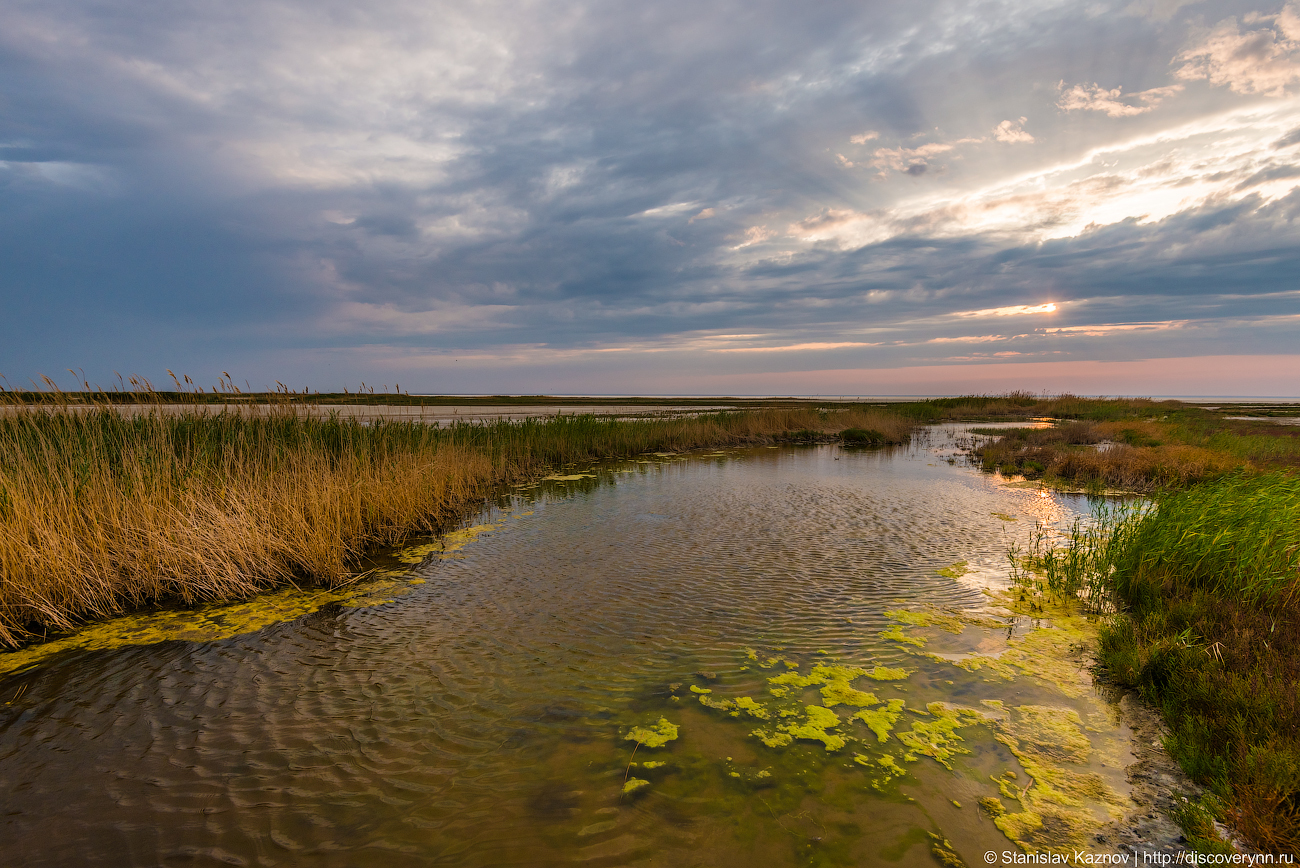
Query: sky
point(664, 198)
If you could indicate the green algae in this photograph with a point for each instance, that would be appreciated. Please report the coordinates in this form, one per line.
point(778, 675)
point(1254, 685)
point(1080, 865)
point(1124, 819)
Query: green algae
point(656, 735)
point(1055, 733)
point(938, 738)
point(992, 806)
point(1050, 651)
point(943, 850)
point(1061, 801)
point(735, 707)
point(814, 724)
point(1003, 516)
point(881, 720)
point(213, 622)
point(835, 681)
point(773, 739)
point(570, 477)
point(840, 693)
point(634, 785)
point(695, 689)
point(750, 707)
point(890, 769)
point(955, 571)
point(814, 728)
point(896, 634)
point(448, 544)
point(653, 764)
point(931, 618)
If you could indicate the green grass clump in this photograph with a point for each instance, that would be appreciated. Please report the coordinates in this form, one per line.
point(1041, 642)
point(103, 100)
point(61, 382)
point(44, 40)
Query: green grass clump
point(1206, 582)
point(863, 437)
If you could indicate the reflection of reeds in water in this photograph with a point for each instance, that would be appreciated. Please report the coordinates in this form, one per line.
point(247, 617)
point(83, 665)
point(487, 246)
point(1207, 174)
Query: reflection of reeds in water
point(101, 512)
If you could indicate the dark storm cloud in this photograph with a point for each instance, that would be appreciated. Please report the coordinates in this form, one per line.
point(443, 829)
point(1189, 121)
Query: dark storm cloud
point(186, 181)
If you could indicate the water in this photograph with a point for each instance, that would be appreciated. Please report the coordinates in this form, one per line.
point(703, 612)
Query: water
point(481, 717)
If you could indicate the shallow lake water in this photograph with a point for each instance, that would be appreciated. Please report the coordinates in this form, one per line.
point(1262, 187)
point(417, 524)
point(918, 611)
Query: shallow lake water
point(632, 664)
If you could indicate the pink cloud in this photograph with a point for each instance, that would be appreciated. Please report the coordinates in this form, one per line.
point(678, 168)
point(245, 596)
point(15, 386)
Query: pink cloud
point(1262, 61)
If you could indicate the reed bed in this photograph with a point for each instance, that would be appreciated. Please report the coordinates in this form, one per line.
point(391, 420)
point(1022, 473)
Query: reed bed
point(102, 512)
point(1027, 405)
point(1134, 456)
point(1205, 584)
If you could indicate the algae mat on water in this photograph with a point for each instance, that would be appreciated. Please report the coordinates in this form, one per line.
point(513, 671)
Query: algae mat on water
point(1055, 781)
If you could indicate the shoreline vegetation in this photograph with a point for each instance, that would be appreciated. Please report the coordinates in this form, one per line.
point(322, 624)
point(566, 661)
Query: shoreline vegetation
point(1198, 590)
point(103, 512)
point(1197, 586)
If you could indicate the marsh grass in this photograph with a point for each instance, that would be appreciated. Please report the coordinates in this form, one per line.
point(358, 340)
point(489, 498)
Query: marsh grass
point(102, 511)
point(1026, 405)
point(1206, 583)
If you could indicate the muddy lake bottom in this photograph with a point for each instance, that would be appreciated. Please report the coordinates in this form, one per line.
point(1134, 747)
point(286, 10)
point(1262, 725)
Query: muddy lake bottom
point(774, 656)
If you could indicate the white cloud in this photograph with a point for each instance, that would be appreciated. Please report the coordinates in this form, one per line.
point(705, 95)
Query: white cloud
point(1101, 330)
point(1013, 132)
point(1094, 97)
point(1011, 310)
point(794, 347)
point(668, 210)
point(1264, 61)
point(863, 138)
point(914, 161)
point(1219, 159)
point(755, 235)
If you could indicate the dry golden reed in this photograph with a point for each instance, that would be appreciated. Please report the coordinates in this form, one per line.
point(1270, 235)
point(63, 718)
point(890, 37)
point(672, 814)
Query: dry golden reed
point(104, 510)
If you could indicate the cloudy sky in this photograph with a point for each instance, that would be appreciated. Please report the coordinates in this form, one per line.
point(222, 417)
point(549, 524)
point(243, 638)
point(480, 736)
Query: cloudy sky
point(864, 197)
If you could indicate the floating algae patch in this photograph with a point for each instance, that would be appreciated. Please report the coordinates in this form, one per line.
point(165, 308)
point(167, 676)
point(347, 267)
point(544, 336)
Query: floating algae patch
point(955, 571)
point(1050, 651)
point(1003, 516)
point(840, 693)
point(937, 738)
point(1063, 803)
point(448, 544)
point(950, 622)
point(888, 766)
point(736, 707)
point(655, 735)
point(943, 850)
point(568, 477)
point(896, 634)
point(881, 720)
point(828, 674)
point(211, 623)
point(773, 739)
point(634, 785)
point(817, 720)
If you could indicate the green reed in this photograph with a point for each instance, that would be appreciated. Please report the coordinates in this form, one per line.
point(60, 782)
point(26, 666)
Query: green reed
point(1205, 586)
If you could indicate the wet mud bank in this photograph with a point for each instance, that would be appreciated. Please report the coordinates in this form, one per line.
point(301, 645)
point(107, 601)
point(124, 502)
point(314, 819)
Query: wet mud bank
point(1158, 787)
